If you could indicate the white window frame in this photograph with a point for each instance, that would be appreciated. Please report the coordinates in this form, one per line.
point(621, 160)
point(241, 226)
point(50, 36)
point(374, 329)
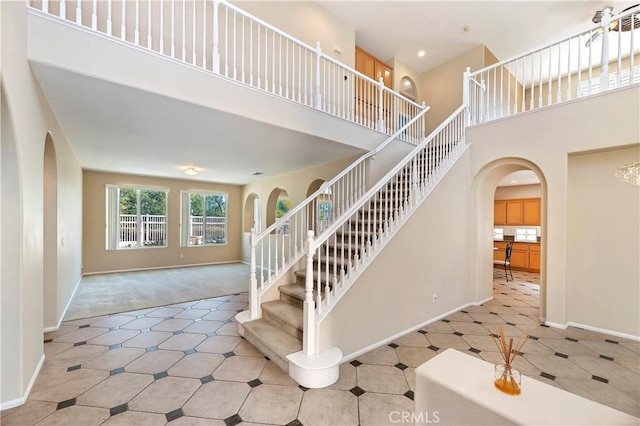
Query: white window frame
point(186, 239)
point(113, 227)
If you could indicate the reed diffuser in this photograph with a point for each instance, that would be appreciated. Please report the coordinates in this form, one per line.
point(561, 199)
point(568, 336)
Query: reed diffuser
point(507, 378)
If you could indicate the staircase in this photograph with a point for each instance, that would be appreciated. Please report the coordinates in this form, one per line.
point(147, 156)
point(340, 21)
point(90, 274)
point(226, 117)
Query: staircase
point(280, 330)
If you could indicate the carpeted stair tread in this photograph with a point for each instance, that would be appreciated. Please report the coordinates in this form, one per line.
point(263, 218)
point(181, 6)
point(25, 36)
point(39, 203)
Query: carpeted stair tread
point(285, 316)
point(272, 341)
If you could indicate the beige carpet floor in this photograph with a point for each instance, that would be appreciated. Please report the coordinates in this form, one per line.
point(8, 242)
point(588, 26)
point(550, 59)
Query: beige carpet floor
point(127, 291)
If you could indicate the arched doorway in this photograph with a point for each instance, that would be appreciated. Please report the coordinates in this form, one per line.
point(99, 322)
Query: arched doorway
point(50, 234)
point(253, 213)
point(483, 190)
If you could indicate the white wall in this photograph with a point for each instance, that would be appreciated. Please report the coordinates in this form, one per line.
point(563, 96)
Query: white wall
point(426, 256)
point(544, 139)
point(603, 225)
point(22, 266)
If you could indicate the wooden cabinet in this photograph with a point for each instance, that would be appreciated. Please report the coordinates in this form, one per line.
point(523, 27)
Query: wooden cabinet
point(514, 212)
point(531, 211)
point(521, 211)
point(520, 256)
point(524, 256)
point(499, 212)
point(534, 257)
point(367, 93)
point(373, 67)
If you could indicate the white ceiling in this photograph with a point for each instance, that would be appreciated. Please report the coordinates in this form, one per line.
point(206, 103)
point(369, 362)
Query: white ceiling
point(521, 177)
point(400, 29)
point(120, 129)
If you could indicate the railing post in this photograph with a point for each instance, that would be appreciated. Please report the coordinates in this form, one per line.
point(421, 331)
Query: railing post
point(63, 9)
point(318, 94)
point(380, 105)
point(254, 302)
point(216, 38)
point(309, 330)
point(45, 6)
point(79, 12)
point(466, 77)
point(604, 62)
point(424, 123)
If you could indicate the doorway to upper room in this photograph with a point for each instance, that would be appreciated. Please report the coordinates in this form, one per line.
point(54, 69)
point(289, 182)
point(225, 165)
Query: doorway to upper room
point(510, 198)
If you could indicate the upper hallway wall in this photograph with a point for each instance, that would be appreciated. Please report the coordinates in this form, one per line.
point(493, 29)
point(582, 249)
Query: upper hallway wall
point(310, 24)
point(441, 87)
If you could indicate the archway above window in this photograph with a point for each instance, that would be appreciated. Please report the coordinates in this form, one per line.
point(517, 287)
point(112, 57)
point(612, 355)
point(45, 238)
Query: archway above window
point(408, 88)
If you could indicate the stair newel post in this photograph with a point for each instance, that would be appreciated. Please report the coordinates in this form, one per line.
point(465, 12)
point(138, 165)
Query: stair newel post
point(216, 38)
point(466, 80)
point(318, 103)
point(309, 330)
point(254, 303)
point(604, 64)
point(380, 105)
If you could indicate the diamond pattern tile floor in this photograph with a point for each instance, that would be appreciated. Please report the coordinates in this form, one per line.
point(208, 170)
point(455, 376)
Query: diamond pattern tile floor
point(184, 364)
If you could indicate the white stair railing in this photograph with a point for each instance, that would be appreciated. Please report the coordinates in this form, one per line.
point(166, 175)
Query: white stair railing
point(217, 36)
point(595, 60)
point(276, 249)
point(340, 253)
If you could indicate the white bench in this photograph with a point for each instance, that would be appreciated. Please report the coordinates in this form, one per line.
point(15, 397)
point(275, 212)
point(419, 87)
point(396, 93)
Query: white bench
point(457, 389)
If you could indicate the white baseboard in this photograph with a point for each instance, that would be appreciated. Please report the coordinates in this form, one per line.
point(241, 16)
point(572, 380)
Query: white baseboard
point(556, 325)
point(354, 355)
point(162, 267)
point(64, 312)
point(596, 329)
point(19, 401)
point(482, 302)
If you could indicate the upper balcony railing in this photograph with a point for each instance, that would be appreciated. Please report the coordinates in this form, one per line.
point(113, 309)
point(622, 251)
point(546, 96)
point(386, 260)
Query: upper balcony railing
point(217, 36)
point(603, 57)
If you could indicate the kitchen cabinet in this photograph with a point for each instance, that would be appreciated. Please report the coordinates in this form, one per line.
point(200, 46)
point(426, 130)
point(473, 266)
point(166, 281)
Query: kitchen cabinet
point(499, 212)
point(514, 212)
point(520, 256)
point(524, 256)
point(531, 212)
point(534, 257)
point(517, 212)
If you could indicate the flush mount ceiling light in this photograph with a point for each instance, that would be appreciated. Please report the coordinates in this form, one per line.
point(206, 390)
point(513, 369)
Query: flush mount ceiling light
point(629, 173)
point(421, 54)
point(191, 170)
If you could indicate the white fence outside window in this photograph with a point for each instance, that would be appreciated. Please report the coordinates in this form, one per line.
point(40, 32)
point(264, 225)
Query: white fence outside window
point(142, 230)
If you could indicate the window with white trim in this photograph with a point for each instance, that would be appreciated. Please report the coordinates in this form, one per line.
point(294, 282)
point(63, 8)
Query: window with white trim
point(204, 218)
point(526, 234)
point(136, 217)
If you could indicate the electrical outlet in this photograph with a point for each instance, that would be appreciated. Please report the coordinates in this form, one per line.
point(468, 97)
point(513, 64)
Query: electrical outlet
point(435, 297)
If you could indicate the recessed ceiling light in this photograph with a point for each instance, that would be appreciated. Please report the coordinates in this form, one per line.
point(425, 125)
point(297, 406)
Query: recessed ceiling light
point(191, 170)
point(514, 181)
point(421, 53)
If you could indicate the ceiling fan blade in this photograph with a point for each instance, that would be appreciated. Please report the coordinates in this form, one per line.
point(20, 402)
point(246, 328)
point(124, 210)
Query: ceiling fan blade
point(594, 37)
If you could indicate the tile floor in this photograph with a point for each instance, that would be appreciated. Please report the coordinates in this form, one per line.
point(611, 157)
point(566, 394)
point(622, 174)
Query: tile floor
point(184, 364)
